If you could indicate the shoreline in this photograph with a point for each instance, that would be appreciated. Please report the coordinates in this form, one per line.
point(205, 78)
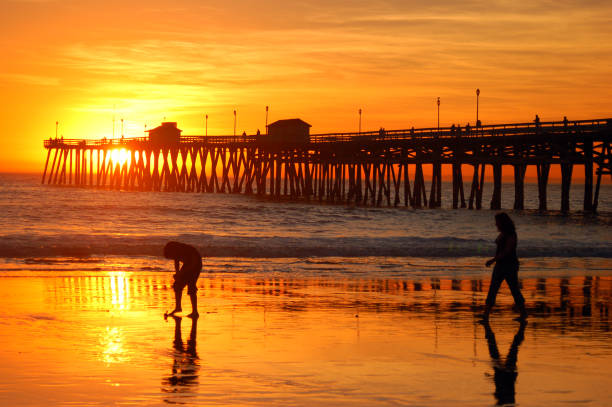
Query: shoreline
point(329, 266)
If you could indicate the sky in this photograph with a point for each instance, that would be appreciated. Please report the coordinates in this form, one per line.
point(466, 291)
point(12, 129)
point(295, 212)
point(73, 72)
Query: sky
point(89, 64)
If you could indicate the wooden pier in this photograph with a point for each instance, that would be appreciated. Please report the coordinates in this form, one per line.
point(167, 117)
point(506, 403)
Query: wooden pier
point(367, 168)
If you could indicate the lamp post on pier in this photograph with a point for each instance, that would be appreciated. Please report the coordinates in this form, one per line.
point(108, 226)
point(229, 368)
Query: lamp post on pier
point(477, 96)
point(56, 124)
point(206, 126)
point(359, 121)
point(438, 103)
point(267, 107)
point(234, 122)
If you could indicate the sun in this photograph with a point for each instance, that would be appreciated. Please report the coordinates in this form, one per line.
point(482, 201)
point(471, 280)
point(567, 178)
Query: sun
point(120, 156)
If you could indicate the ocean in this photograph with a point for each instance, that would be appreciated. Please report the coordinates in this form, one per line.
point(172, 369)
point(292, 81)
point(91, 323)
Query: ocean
point(42, 223)
point(301, 303)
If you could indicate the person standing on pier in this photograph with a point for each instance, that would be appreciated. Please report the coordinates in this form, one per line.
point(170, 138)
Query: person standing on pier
point(186, 275)
point(506, 266)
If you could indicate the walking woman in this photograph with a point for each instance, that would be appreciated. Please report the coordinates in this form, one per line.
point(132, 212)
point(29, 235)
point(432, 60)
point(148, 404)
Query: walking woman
point(506, 266)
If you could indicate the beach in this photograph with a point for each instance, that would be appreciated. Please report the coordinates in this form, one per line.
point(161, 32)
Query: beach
point(300, 304)
point(100, 338)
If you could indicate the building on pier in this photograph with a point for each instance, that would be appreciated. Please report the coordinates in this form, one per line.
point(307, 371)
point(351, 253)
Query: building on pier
point(166, 134)
point(289, 130)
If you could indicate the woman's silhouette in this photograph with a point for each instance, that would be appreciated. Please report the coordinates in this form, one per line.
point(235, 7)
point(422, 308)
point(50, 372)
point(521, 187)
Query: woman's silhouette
point(506, 265)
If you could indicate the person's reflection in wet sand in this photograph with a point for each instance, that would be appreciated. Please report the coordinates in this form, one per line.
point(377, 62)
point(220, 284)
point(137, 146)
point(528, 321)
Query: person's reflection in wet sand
point(186, 362)
point(505, 371)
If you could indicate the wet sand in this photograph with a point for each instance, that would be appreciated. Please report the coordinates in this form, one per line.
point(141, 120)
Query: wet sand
point(87, 338)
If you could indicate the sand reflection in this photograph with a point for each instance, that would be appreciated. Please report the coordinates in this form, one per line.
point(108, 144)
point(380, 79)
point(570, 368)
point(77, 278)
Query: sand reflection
point(185, 364)
point(287, 340)
point(505, 370)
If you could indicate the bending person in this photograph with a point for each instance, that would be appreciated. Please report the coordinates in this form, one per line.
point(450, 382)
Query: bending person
point(506, 266)
point(186, 275)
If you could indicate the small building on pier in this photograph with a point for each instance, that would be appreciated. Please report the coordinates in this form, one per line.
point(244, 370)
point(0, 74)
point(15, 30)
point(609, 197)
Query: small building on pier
point(166, 134)
point(289, 130)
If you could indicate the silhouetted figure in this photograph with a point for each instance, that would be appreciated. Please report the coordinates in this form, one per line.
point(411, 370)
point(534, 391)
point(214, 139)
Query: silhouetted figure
point(244, 136)
point(186, 275)
point(565, 121)
point(412, 131)
point(258, 133)
point(452, 129)
point(186, 362)
point(381, 133)
point(505, 372)
point(537, 121)
point(506, 265)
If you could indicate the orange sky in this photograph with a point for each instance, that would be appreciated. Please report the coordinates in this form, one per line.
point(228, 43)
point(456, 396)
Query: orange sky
point(81, 62)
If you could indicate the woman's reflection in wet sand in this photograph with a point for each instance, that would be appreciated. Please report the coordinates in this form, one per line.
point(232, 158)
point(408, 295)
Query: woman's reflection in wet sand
point(186, 362)
point(505, 371)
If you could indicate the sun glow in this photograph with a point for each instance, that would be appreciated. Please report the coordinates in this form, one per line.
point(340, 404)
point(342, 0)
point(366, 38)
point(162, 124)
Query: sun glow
point(120, 157)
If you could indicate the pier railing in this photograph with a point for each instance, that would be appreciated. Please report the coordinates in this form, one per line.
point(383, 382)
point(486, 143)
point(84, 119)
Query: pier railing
point(494, 130)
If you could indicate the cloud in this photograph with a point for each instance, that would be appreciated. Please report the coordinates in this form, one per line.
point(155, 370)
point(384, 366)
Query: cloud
point(35, 80)
point(337, 53)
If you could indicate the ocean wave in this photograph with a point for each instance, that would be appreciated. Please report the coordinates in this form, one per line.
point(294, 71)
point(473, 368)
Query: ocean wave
point(82, 246)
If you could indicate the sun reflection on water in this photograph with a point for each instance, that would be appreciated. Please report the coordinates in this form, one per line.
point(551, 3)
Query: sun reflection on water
point(112, 343)
point(120, 290)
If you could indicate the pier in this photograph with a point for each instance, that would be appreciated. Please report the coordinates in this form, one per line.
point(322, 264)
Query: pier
point(376, 168)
